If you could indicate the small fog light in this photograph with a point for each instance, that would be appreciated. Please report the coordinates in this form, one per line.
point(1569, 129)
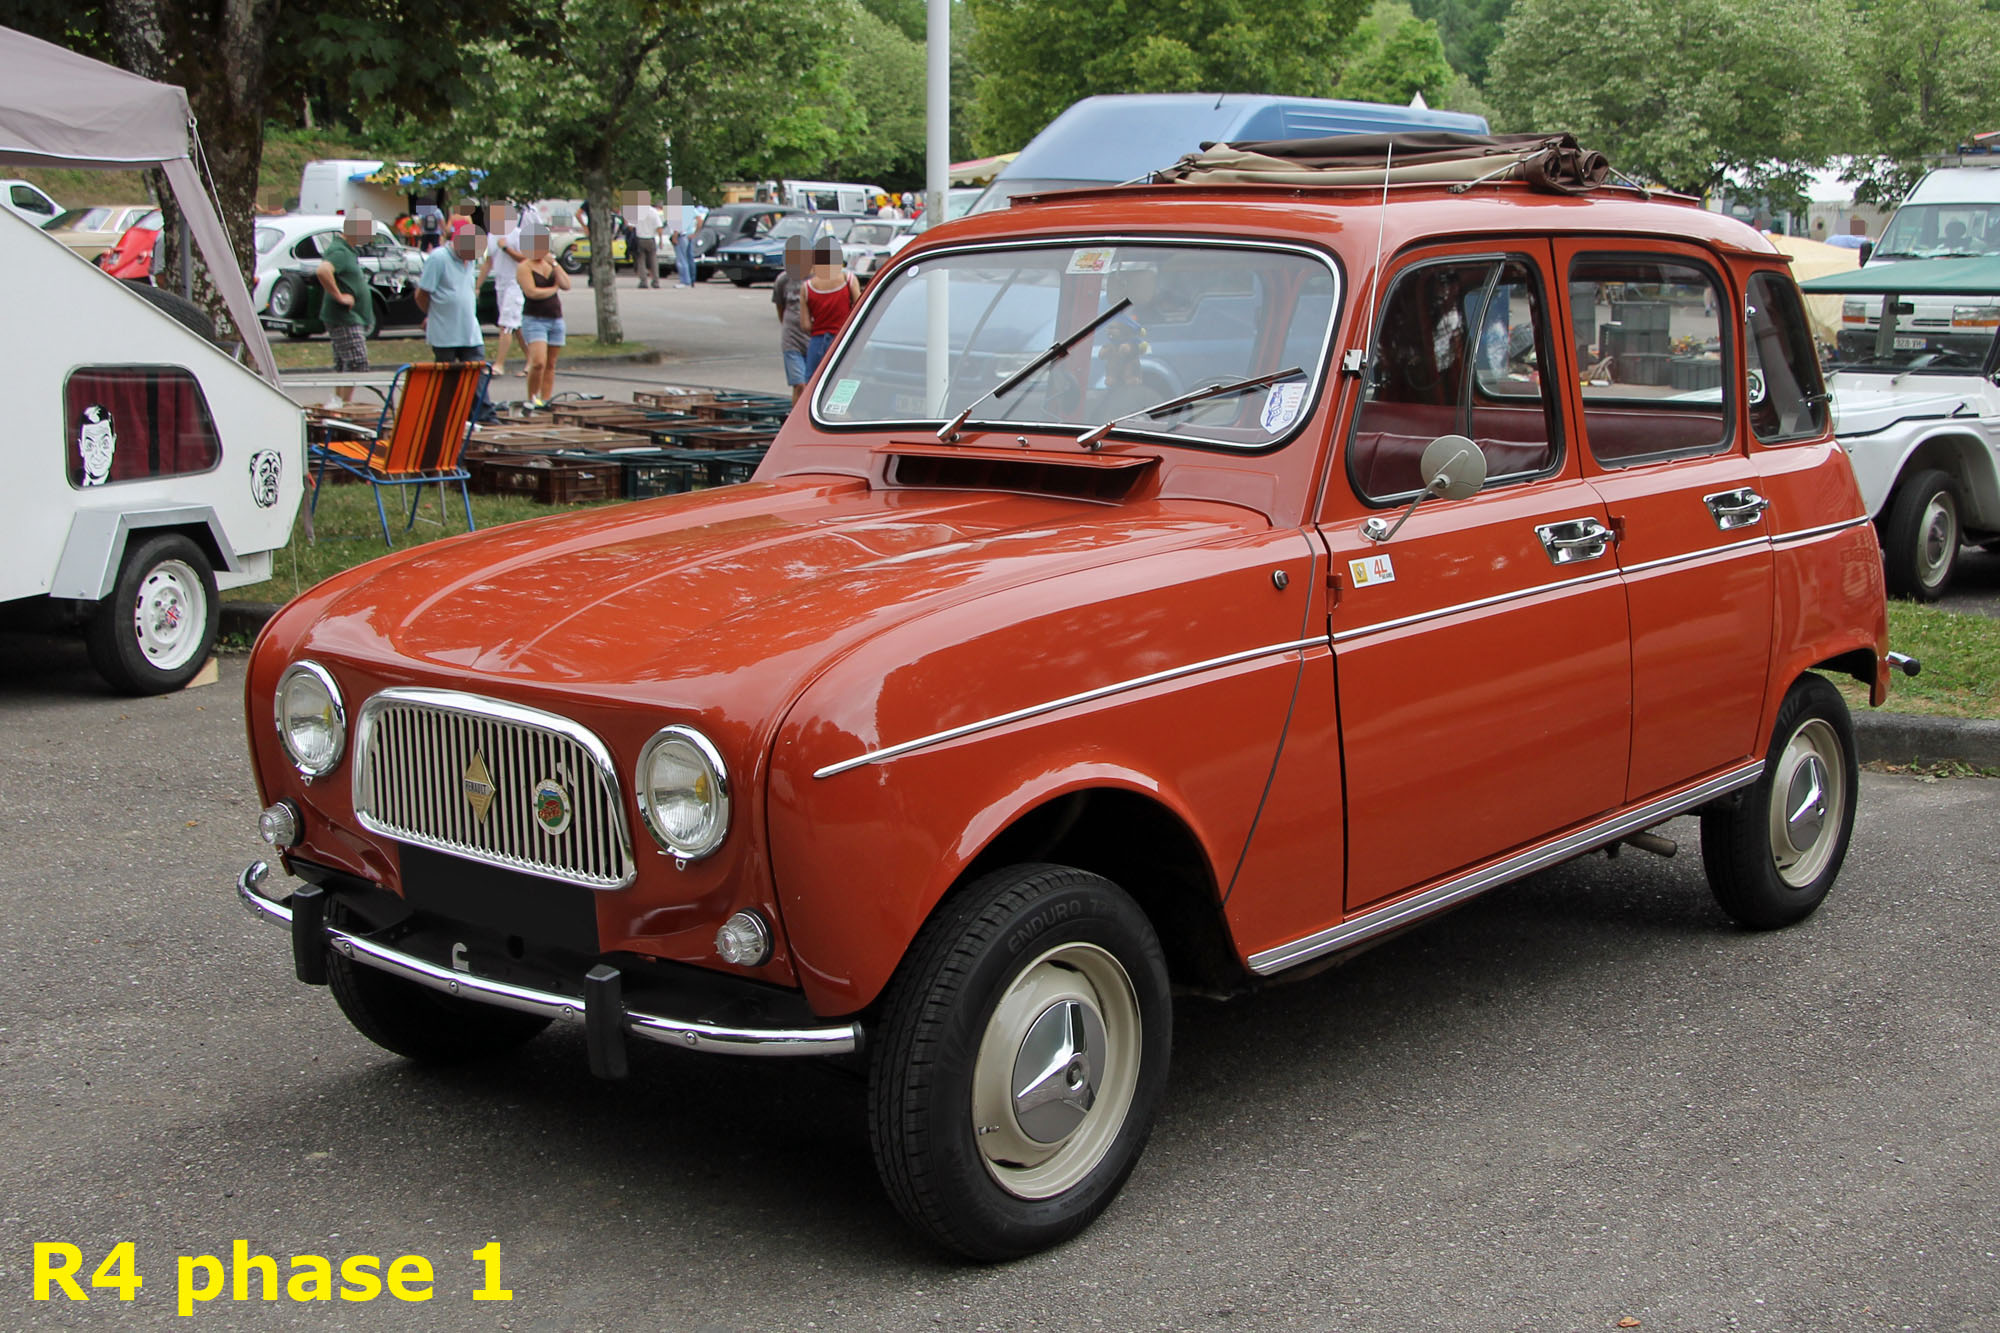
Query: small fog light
point(744, 940)
point(279, 824)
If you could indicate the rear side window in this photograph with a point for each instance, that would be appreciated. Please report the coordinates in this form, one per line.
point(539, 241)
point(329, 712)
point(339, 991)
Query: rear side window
point(1460, 351)
point(1656, 382)
point(128, 423)
point(1788, 399)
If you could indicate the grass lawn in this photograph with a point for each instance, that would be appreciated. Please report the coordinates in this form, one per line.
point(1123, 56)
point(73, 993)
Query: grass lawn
point(387, 353)
point(350, 534)
point(1961, 657)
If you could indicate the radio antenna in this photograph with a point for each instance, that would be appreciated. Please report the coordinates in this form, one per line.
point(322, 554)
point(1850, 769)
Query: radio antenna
point(1357, 358)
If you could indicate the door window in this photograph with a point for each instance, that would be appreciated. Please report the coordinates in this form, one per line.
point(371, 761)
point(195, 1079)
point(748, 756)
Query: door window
point(1788, 399)
point(1461, 351)
point(1655, 358)
point(27, 197)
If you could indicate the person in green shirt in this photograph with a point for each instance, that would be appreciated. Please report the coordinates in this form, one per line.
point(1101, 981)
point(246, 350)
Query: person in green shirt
point(348, 307)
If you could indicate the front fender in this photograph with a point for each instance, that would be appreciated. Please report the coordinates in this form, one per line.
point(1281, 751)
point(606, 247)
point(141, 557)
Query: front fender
point(902, 762)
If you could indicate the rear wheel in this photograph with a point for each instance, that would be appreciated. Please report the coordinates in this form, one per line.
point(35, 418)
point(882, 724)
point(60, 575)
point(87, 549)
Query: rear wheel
point(414, 1021)
point(572, 262)
point(1920, 536)
point(155, 630)
point(1772, 856)
point(1020, 1060)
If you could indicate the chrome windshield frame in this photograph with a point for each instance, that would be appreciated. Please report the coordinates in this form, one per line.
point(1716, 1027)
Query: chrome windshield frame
point(1318, 368)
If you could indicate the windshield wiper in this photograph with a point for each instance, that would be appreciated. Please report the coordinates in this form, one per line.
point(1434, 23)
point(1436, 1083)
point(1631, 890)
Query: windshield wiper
point(949, 435)
point(1090, 437)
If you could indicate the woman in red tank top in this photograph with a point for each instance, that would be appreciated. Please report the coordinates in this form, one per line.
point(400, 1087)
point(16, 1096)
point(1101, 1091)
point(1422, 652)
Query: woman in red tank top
point(830, 295)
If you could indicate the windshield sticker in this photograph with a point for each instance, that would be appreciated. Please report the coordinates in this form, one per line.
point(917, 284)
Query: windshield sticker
point(1375, 569)
point(1281, 407)
point(842, 396)
point(1091, 261)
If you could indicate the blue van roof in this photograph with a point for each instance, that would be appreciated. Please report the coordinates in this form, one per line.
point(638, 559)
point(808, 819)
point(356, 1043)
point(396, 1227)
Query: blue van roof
point(1116, 137)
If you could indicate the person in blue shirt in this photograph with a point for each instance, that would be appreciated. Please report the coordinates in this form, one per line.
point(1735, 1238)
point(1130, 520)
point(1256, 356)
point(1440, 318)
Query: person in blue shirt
point(448, 294)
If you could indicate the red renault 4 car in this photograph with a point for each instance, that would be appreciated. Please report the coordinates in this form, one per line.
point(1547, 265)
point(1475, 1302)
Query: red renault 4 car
point(1163, 585)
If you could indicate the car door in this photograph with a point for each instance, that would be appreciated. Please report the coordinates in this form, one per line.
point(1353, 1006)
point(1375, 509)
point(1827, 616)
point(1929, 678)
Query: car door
point(1657, 410)
point(1480, 650)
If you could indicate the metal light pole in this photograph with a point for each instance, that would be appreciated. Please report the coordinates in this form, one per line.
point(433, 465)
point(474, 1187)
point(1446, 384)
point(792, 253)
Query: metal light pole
point(937, 179)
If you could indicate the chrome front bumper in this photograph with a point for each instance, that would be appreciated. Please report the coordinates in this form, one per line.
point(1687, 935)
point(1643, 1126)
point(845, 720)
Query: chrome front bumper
point(691, 1033)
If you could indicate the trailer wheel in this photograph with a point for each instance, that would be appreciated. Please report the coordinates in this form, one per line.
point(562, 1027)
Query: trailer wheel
point(155, 630)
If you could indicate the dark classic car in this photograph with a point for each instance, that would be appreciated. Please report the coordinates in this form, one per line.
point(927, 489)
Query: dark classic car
point(288, 279)
point(762, 258)
point(731, 222)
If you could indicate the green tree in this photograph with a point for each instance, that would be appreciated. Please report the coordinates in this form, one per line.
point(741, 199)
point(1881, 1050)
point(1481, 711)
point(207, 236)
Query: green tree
point(1036, 57)
point(1470, 30)
point(1926, 69)
point(1392, 56)
point(884, 138)
point(1688, 93)
point(588, 100)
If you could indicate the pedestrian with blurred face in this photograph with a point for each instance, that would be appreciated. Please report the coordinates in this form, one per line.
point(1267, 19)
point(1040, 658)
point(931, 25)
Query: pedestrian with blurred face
point(347, 307)
point(788, 295)
point(503, 257)
point(448, 294)
point(644, 246)
point(542, 284)
point(829, 299)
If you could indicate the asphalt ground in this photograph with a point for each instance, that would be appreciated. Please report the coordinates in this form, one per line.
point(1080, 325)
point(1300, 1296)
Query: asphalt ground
point(1583, 1099)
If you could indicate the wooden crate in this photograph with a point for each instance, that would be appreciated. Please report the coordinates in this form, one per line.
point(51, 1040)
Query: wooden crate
point(546, 478)
point(674, 397)
point(728, 436)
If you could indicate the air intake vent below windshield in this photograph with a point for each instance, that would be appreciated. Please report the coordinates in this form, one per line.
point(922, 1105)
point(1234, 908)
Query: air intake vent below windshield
point(1105, 478)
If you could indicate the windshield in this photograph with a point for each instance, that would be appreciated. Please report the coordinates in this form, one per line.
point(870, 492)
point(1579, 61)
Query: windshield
point(1937, 335)
point(798, 224)
point(871, 233)
point(266, 239)
point(81, 219)
point(1932, 231)
point(1199, 315)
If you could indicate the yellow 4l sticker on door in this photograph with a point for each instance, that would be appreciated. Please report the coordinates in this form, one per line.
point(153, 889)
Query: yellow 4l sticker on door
point(1375, 569)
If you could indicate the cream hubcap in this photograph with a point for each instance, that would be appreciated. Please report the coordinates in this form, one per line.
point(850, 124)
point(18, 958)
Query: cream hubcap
point(1808, 803)
point(1056, 1071)
point(1937, 539)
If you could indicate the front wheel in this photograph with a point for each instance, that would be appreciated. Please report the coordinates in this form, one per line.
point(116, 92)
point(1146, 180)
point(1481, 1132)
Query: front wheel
point(1019, 1062)
point(1920, 536)
point(1773, 854)
point(572, 262)
point(155, 630)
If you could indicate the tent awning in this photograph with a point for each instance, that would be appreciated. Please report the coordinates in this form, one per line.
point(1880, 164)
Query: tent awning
point(61, 109)
point(1977, 276)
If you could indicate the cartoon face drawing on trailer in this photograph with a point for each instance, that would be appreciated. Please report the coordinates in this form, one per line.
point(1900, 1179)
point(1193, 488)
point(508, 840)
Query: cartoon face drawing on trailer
point(96, 441)
point(265, 468)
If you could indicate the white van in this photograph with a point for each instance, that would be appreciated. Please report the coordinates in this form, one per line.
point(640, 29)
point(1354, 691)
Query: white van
point(821, 196)
point(146, 468)
point(1954, 213)
point(341, 185)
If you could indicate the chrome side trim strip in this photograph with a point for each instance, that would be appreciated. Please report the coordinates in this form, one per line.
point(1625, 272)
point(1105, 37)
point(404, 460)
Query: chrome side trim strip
point(691, 1034)
point(1825, 529)
point(1497, 599)
point(1407, 910)
point(1036, 710)
point(1732, 549)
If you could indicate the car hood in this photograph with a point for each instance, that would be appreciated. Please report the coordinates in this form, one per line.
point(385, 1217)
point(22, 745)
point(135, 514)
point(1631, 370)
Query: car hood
point(1865, 404)
point(682, 599)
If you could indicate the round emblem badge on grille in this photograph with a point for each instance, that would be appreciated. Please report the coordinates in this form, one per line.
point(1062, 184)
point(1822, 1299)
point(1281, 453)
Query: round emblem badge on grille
point(552, 808)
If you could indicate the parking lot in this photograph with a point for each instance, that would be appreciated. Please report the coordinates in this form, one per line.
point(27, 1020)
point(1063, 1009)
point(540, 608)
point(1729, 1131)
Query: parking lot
point(1584, 1099)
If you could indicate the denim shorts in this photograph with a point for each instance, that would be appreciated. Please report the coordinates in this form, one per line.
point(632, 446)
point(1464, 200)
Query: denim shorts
point(540, 329)
point(795, 367)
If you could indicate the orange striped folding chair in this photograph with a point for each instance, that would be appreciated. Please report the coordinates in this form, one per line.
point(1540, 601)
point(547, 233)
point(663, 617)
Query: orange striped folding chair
point(419, 445)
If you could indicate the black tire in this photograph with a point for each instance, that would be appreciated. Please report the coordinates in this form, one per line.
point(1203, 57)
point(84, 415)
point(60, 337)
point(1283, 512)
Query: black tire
point(173, 303)
point(1772, 854)
point(1920, 536)
point(156, 629)
point(740, 277)
point(1022, 957)
point(703, 274)
point(288, 298)
point(571, 262)
point(415, 1021)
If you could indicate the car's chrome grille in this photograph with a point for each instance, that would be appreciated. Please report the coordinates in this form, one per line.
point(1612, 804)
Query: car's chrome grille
point(426, 761)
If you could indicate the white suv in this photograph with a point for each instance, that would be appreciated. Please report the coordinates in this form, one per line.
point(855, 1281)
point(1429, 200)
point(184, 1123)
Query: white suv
point(1918, 410)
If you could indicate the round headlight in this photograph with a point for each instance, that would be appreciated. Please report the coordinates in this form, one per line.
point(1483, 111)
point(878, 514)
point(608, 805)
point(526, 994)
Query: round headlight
point(311, 721)
point(684, 792)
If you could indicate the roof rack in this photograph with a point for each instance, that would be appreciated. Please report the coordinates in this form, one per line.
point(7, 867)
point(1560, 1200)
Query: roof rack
point(1549, 162)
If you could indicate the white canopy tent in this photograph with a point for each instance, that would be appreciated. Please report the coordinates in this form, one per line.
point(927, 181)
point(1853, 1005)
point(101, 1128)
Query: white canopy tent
point(60, 109)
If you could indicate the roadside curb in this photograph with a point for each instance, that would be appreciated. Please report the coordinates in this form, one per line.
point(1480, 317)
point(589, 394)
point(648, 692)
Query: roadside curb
point(1913, 738)
point(1881, 738)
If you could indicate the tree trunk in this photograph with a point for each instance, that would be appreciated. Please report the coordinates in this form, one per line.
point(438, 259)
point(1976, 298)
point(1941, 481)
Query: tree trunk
point(215, 49)
point(603, 272)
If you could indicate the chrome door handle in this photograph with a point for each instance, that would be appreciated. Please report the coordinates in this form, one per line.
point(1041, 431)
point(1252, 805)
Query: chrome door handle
point(1736, 509)
point(1574, 539)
